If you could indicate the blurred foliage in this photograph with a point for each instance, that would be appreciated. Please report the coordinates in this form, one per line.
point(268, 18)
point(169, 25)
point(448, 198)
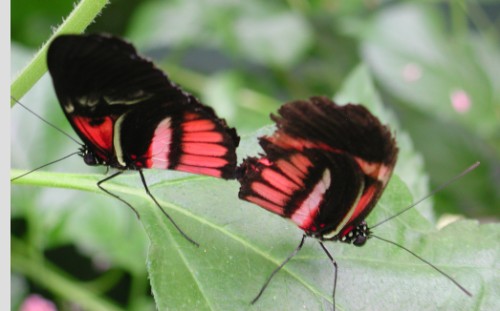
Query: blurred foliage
point(435, 65)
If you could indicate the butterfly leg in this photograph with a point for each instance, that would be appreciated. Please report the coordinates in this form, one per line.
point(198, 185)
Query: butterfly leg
point(163, 211)
point(99, 184)
point(279, 268)
point(334, 263)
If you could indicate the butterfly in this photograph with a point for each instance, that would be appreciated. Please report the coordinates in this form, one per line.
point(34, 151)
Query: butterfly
point(324, 168)
point(130, 116)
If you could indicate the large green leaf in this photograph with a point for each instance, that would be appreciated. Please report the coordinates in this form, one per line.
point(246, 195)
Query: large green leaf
point(241, 244)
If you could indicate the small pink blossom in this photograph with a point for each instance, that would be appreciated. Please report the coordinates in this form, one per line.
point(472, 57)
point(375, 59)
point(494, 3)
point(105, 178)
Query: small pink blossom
point(460, 101)
point(411, 72)
point(37, 303)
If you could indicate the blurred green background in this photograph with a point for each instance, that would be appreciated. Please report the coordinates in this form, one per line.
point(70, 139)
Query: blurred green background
point(436, 65)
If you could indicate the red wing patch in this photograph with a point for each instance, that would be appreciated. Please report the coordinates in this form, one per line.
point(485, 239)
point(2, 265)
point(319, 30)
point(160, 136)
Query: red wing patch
point(204, 148)
point(285, 141)
point(277, 209)
point(273, 185)
point(366, 198)
point(196, 145)
point(196, 126)
point(98, 132)
point(377, 171)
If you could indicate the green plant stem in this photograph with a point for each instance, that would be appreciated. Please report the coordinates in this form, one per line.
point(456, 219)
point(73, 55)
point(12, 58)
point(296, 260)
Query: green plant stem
point(138, 287)
point(458, 17)
point(105, 282)
point(81, 16)
point(51, 278)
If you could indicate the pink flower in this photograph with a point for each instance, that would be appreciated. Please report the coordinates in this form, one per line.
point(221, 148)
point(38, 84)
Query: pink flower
point(460, 101)
point(37, 303)
point(411, 72)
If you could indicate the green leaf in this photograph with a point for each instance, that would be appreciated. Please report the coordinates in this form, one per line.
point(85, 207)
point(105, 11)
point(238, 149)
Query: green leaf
point(260, 31)
point(426, 71)
point(241, 244)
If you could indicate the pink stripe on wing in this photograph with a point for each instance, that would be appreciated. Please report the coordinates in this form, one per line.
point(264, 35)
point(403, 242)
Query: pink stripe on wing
point(265, 204)
point(279, 180)
point(198, 126)
point(301, 162)
point(291, 171)
point(159, 149)
point(199, 170)
point(202, 161)
point(206, 149)
point(307, 211)
point(207, 137)
point(270, 194)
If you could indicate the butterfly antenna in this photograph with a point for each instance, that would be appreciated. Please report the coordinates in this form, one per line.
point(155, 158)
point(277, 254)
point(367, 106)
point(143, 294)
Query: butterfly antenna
point(446, 184)
point(47, 164)
point(47, 122)
point(263, 288)
point(428, 263)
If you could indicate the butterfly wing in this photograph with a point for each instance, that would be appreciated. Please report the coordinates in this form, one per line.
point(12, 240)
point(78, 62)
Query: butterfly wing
point(320, 123)
point(186, 137)
point(303, 186)
point(349, 154)
point(97, 78)
point(116, 101)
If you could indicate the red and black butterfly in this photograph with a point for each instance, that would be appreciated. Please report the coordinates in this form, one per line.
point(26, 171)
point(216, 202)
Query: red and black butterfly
point(130, 116)
point(325, 168)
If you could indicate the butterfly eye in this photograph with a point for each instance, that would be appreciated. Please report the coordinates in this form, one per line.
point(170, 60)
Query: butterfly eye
point(360, 240)
point(90, 159)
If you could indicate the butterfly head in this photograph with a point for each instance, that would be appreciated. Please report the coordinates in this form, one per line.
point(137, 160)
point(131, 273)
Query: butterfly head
point(89, 157)
point(357, 235)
